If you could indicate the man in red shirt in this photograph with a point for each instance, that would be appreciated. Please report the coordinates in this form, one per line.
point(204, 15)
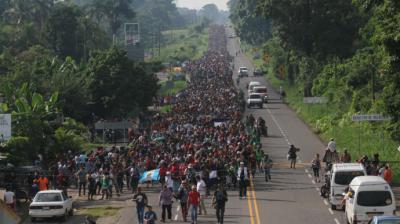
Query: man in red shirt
point(43, 183)
point(193, 203)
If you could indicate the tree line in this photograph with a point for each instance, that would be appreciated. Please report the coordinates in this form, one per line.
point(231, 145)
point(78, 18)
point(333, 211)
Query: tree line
point(344, 50)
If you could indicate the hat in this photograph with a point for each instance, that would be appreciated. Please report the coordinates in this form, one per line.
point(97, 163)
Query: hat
point(241, 163)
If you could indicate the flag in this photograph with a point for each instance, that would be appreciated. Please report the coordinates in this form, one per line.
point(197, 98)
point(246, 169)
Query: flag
point(151, 175)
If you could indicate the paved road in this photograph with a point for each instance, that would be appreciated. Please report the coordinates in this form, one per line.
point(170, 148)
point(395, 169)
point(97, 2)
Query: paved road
point(291, 197)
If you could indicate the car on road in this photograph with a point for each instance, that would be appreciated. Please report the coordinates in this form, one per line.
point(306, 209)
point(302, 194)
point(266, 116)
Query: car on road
point(258, 72)
point(385, 219)
point(262, 90)
point(255, 99)
point(243, 72)
point(369, 196)
point(51, 203)
point(251, 85)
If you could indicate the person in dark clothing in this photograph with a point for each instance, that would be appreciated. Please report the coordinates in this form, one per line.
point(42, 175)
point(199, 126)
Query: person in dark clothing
point(292, 156)
point(219, 200)
point(141, 201)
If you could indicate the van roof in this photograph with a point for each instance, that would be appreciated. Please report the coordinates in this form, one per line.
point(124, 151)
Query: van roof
point(369, 181)
point(260, 87)
point(254, 83)
point(347, 167)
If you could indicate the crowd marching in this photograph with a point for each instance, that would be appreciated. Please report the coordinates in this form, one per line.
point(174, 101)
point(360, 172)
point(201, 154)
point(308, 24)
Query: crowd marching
point(200, 146)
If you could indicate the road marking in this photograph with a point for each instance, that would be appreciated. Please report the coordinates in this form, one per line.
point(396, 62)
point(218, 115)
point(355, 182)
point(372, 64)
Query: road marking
point(326, 202)
point(313, 181)
point(317, 189)
point(330, 211)
point(253, 192)
point(337, 221)
point(306, 170)
point(250, 210)
point(309, 175)
point(177, 212)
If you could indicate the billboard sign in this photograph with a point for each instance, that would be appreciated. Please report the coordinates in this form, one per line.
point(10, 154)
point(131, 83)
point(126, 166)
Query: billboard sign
point(132, 34)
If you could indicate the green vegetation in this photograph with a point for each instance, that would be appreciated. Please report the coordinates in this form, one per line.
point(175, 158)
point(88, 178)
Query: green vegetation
point(100, 211)
point(179, 85)
point(187, 44)
point(346, 51)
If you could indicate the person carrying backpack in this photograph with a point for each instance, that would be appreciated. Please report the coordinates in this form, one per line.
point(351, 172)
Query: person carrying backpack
point(316, 166)
point(183, 194)
point(219, 200)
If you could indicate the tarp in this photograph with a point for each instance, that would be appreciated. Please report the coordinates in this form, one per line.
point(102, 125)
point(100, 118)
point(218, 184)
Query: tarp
point(152, 175)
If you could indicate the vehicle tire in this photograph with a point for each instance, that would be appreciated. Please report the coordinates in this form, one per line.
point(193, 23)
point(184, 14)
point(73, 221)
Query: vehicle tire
point(333, 207)
point(33, 219)
point(261, 106)
point(71, 212)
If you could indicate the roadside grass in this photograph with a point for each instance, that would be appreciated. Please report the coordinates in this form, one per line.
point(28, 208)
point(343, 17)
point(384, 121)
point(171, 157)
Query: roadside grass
point(97, 212)
point(183, 45)
point(179, 85)
point(327, 121)
point(165, 109)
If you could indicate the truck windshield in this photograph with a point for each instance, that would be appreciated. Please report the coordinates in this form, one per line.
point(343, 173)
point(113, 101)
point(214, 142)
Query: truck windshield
point(374, 198)
point(255, 96)
point(344, 178)
point(260, 90)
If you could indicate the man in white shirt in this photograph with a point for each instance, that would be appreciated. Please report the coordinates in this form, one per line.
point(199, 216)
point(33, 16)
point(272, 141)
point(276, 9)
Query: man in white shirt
point(202, 189)
point(9, 198)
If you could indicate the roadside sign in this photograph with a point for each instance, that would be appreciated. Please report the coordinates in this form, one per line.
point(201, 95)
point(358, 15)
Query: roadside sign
point(315, 100)
point(369, 117)
point(282, 71)
point(5, 127)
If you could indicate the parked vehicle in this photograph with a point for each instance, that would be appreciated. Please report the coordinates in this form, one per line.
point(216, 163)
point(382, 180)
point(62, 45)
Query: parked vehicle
point(51, 203)
point(255, 99)
point(385, 219)
point(262, 90)
point(341, 176)
point(258, 72)
point(243, 72)
point(370, 196)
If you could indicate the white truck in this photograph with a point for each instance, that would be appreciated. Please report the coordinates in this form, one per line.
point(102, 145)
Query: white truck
point(255, 99)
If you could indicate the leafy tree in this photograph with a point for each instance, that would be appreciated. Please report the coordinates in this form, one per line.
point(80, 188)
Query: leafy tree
point(62, 29)
point(210, 11)
point(118, 87)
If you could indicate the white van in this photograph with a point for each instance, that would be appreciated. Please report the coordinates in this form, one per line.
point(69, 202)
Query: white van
point(371, 196)
point(251, 85)
point(341, 176)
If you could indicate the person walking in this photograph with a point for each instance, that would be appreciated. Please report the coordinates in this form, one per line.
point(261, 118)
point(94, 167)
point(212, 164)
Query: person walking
point(141, 201)
point(165, 202)
point(91, 186)
point(387, 174)
point(292, 156)
point(9, 198)
point(193, 203)
point(183, 194)
point(150, 217)
point(43, 183)
point(219, 200)
point(267, 164)
point(104, 186)
point(316, 166)
point(81, 176)
point(243, 178)
point(202, 189)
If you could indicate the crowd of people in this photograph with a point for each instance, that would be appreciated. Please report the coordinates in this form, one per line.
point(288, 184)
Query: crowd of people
point(200, 146)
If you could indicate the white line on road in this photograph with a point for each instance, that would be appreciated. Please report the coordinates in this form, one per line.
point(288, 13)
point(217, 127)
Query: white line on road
point(330, 211)
point(313, 181)
point(309, 175)
point(306, 170)
point(337, 221)
point(326, 202)
point(317, 189)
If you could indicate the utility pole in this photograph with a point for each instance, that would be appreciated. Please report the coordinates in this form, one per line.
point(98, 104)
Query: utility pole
point(373, 79)
point(159, 40)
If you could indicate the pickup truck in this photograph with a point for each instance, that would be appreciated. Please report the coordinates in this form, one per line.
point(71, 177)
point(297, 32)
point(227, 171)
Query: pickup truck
point(255, 99)
point(243, 72)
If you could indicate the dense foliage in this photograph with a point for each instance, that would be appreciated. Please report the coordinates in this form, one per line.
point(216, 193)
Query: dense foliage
point(347, 51)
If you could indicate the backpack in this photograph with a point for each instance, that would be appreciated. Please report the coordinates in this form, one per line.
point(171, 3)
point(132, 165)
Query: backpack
point(220, 197)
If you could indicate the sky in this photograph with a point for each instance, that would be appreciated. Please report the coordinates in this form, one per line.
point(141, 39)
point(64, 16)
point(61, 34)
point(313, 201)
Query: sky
point(198, 4)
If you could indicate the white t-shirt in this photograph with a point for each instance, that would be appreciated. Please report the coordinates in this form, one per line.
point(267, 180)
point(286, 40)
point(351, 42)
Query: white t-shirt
point(9, 197)
point(201, 187)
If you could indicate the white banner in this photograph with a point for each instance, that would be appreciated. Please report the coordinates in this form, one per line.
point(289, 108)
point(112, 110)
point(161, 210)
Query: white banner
point(315, 100)
point(5, 127)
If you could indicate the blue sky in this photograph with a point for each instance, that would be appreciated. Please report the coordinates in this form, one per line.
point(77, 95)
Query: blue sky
point(198, 4)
